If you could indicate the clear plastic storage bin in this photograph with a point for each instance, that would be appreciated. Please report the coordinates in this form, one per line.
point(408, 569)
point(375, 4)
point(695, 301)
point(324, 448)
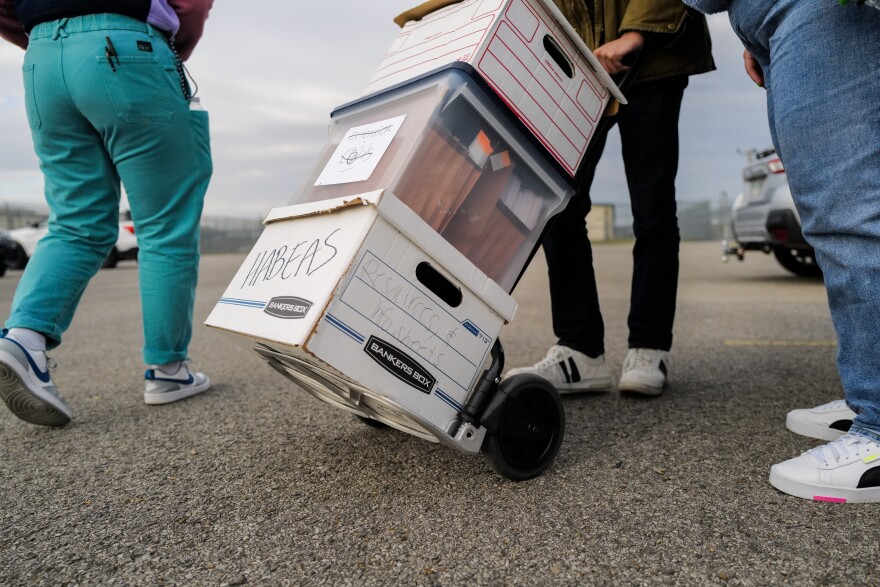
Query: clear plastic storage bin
point(454, 156)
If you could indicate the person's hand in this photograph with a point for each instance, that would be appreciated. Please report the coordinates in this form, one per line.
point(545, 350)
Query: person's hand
point(612, 55)
point(753, 69)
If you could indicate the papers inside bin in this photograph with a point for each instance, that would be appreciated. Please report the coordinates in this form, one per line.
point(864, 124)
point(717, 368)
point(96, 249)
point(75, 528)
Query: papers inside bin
point(453, 156)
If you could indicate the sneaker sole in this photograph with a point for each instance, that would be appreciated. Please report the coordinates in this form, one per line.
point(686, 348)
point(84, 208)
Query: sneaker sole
point(822, 492)
point(167, 397)
point(809, 430)
point(641, 388)
point(593, 385)
point(596, 384)
point(33, 405)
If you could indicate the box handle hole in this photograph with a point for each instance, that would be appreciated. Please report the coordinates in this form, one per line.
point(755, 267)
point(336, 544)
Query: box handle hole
point(438, 284)
point(558, 55)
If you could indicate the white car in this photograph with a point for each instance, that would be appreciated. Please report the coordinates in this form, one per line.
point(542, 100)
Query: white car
point(26, 240)
point(764, 218)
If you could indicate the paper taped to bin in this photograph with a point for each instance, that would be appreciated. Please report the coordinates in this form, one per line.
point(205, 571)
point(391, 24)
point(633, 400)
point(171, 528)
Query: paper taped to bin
point(359, 152)
point(461, 163)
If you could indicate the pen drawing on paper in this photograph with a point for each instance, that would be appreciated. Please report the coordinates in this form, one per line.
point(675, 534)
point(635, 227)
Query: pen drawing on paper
point(359, 152)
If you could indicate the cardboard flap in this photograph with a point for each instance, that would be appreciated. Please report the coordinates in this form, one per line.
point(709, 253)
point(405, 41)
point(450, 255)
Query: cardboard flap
point(322, 206)
point(422, 10)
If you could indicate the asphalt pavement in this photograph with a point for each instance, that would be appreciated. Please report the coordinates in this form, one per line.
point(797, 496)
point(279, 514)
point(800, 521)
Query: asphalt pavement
point(257, 483)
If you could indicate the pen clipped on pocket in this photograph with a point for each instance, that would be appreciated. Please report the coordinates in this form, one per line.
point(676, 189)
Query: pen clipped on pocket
point(110, 53)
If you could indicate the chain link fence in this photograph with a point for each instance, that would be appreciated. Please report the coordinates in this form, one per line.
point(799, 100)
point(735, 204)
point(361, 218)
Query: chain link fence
point(698, 221)
point(219, 234)
point(12, 216)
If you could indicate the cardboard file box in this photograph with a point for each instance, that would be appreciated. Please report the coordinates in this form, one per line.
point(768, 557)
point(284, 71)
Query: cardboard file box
point(528, 54)
point(368, 308)
point(457, 157)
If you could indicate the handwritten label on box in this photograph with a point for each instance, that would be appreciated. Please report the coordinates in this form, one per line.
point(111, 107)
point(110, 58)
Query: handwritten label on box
point(359, 152)
point(415, 320)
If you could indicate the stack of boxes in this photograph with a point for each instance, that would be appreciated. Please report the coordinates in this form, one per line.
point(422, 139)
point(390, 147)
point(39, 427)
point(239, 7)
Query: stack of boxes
point(383, 285)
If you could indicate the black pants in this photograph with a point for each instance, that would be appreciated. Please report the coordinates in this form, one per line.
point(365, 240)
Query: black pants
point(649, 137)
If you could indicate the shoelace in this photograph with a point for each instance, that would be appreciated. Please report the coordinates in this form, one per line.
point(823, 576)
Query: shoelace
point(842, 448)
point(640, 359)
point(837, 404)
point(556, 354)
point(51, 365)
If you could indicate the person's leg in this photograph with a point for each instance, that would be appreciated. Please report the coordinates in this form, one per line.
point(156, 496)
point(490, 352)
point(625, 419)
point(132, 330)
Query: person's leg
point(832, 156)
point(815, 55)
point(161, 151)
point(82, 191)
point(649, 138)
point(166, 185)
point(574, 298)
point(576, 363)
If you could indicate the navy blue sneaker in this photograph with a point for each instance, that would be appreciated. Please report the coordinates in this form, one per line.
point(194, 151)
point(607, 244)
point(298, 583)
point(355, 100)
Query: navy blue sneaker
point(164, 388)
point(26, 386)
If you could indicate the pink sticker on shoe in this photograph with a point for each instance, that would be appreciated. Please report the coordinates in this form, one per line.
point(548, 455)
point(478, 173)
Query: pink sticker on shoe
point(829, 499)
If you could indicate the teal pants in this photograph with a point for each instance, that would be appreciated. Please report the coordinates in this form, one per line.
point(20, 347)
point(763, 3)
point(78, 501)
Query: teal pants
point(96, 121)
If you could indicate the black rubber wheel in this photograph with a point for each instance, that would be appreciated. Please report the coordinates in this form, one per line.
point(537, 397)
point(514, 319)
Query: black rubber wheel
point(2, 266)
point(529, 430)
point(112, 259)
point(802, 263)
point(372, 423)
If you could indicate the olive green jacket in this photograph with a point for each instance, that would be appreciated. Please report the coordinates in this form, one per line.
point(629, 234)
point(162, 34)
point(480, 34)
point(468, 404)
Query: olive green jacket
point(677, 37)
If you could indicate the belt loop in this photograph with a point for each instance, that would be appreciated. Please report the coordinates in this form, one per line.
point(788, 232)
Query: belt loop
point(150, 30)
point(59, 29)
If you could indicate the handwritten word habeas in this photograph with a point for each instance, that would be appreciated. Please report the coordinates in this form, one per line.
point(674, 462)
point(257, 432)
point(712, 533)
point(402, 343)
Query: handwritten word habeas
point(287, 261)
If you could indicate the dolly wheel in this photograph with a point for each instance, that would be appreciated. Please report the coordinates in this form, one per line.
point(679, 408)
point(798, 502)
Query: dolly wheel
point(529, 430)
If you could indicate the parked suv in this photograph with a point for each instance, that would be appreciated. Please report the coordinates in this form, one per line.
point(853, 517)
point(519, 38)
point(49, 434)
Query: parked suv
point(763, 217)
point(26, 240)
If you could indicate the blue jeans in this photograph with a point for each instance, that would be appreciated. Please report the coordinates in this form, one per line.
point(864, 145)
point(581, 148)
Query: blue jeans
point(822, 73)
point(93, 123)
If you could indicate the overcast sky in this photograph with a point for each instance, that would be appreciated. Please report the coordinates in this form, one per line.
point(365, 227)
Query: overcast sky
point(270, 72)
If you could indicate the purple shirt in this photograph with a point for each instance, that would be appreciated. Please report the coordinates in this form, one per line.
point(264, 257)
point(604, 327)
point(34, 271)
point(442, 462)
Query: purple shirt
point(705, 6)
point(163, 17)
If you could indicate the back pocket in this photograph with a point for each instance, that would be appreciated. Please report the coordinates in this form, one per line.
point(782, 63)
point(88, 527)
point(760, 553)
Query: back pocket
point(140, 88)
point(30, 101)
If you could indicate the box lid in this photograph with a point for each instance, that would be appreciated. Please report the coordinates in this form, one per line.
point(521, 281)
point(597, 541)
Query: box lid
point(413, 227)
point(322, 206)
point(431, 6)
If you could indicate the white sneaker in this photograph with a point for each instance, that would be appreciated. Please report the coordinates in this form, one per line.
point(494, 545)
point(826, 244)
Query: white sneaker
point(164, 388)
point(846, 470)
point(570, 370)
point(826, 422)
point(645, 371)
point(26, 386)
